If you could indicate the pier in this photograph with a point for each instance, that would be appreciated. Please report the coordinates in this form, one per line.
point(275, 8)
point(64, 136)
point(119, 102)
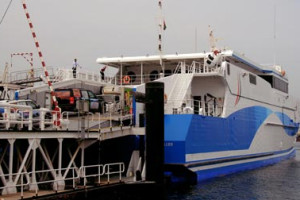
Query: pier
point(84, 157)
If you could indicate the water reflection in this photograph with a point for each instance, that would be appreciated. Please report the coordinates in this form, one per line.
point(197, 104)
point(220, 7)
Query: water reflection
point(280, 181)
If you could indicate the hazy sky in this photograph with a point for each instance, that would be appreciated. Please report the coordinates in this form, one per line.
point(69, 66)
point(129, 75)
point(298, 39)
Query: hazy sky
point(86, 30)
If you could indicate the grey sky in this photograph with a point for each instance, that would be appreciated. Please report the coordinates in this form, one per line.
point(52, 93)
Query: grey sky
point(86, 30)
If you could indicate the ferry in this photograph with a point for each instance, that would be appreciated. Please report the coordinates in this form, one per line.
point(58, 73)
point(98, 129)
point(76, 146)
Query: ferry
point(223, 112)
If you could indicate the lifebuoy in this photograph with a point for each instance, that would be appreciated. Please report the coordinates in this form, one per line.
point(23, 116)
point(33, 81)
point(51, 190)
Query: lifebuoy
point(126, 79)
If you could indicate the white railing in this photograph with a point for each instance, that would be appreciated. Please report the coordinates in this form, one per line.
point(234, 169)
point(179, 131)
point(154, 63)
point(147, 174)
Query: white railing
point(20, 185)
point(96, 119)
point(13, 116)
point(181, 68)
point(25, 75)
point(109, 170)
point(17, 116)
point(67, 74)
point(191, 106)
point(74, 174)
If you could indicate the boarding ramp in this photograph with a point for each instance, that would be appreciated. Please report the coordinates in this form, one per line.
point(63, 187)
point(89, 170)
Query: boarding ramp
point(25, 76)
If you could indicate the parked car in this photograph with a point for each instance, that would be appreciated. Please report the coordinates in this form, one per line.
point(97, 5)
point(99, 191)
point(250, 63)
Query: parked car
point(35, 108)
point(24, 114)
point(14, 116)
point(67, 99)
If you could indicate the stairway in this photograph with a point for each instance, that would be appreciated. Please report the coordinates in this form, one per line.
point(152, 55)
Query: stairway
point(179, 90)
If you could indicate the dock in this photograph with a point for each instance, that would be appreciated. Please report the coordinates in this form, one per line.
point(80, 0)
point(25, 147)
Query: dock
point(90, 154)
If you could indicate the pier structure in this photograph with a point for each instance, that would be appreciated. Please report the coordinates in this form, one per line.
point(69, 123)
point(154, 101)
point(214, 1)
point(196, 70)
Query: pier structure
point(57, 160)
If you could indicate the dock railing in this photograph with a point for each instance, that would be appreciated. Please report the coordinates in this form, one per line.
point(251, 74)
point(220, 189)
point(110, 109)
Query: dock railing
point(74, 174)
point(15, 116)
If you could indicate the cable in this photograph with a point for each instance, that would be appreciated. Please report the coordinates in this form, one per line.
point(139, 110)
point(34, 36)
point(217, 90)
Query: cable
point(5, 12)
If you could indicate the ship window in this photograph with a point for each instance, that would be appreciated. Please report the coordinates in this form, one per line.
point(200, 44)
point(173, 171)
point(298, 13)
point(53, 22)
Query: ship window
point(280, 85)
point(228, 69)
point(153, 75)
point(267, 78)
point(276, 83)
point(252, 79)
point(132, 76)
point(168, 72)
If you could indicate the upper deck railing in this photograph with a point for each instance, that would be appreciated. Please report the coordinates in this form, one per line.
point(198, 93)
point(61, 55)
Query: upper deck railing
point(197, 68)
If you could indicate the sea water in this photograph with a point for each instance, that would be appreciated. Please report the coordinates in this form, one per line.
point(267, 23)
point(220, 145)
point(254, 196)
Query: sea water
point(280, 181)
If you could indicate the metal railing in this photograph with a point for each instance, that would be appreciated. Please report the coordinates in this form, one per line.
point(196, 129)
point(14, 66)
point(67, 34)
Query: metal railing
point(191, 106)
point(76, 173)
point(14, 116)
point(67, 74)
point(96, 119)
point(21, 185)
point(17, 116)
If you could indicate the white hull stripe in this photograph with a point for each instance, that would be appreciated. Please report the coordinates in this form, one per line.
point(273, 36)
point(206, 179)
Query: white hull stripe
point(194, 169)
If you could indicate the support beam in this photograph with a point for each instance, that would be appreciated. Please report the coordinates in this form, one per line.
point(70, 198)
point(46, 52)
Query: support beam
point(33, 185)
point(1, 176)
point(21, 160)
point(24, 161)
point(10, 185)
point(60, 141)
point(83, 144)
point(11, 158)
point(60, 184)
point(47, 161)
point(72, 160)
point(74, 164)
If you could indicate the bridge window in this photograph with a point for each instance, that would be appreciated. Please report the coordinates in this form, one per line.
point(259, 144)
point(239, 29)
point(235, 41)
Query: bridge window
point(280, 85)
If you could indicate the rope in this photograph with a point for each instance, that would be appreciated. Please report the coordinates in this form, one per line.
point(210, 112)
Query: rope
point(5, 12)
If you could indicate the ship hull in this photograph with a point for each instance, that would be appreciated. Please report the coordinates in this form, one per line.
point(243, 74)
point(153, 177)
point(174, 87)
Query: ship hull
point(208, 147)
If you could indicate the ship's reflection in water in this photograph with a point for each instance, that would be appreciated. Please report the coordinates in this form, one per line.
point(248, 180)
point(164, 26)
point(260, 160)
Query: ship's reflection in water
point(279, 181)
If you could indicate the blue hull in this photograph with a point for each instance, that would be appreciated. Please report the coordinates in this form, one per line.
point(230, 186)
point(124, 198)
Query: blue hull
point(179, 174)
point(221, 171)
point(189, 136)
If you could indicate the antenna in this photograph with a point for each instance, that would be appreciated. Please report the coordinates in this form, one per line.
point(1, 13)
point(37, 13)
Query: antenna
point(196, 40)
point(274, 38)
point(212, 39)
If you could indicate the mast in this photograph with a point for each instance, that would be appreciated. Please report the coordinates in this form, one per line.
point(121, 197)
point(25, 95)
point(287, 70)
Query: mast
point(57, 110)
point(274, 37)
point(161, 27)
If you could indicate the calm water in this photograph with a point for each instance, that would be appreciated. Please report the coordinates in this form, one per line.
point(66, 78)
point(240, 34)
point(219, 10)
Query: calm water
point(280, 181)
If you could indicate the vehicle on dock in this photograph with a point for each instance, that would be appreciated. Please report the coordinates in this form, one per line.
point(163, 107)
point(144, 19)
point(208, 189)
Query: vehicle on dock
point(34, 110)
point(68, 99)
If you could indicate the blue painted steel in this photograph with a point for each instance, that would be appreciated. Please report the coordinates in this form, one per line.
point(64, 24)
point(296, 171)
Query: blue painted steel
point(200, 134)
point(290, 127)
point(190, 134)
point(221, 171)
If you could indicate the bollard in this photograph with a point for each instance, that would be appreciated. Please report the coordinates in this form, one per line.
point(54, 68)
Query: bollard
point(155, 131)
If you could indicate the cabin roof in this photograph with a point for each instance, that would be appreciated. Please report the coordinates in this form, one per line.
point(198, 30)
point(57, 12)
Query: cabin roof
point(173, 59)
